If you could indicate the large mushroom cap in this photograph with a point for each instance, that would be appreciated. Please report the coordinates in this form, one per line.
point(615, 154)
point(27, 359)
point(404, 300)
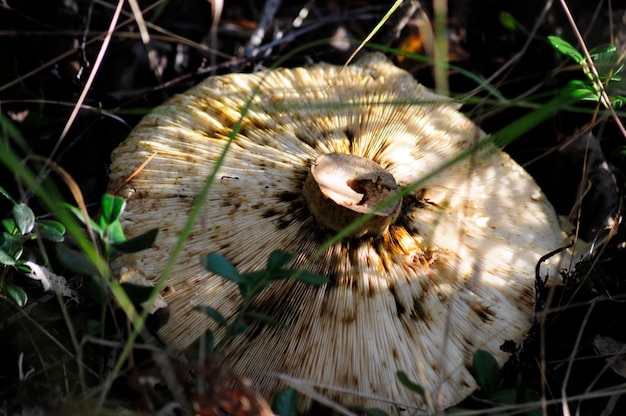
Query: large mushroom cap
point(448, 270)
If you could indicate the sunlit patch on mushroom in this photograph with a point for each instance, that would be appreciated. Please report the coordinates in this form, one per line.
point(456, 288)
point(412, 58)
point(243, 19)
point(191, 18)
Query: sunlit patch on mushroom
point(431, 275)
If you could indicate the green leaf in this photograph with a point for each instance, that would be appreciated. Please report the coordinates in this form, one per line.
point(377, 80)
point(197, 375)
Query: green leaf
point(135, 244)
point(278, 259)
point(618, 102)
point(10, 249)
point(209, 348)
point(565, 48)
point(211, 313)
point(22, 268)
point(486, 371)
point(75, 261)
point(604, 49)
point(79, 214)
point(218, 264)
point(51, 230)
point(115, 233)
point(6, 258)
point(237, 328)
point(7, 196)
point(266, 319)
point(506, 396)
point(24, 218)
point(285, 402)
point(406, 382)
point(508, 21)
point(297, 274)
point(608, 62)
point(275, 274)
point(112, 207)
point(16, 294)
point(515, 396)
point(310, 278)
point(582, 91)
point(9, 225)
point(254, 283)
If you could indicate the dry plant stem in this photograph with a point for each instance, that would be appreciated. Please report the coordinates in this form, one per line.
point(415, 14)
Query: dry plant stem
point(78, 196)
point(92, 76)
point(520, 408)
point(309, 391)
point(594, 19)
point(217, 7)
point(609, 363)
point(167, 33)
point(543, 352)
point(99, 37)
point(135, 173)
point(74, 189)
point(169, 374)
point(373, 32)
point(604, 96)
point(79, 362)
point(141, 23)
point(399, 20)
point(612, 232)
point(315, 25)
point(441, 47)
point(513, 61)
point(145, 38)
point(267, 18)
point(564, 405)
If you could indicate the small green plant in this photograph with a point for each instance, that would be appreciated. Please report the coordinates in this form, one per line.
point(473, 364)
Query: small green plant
point(111, 240)
point(250, 284)
point(487, 374)
point(285, 403)
point(609, 63)
point(17, 254)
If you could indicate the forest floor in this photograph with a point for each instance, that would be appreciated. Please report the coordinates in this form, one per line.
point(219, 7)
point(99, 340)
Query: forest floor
point(57, 54)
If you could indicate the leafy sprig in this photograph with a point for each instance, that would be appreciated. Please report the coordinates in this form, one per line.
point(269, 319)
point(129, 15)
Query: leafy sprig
point(15, 248)
point(110, 235)
point(609, 63)
point(250, 284)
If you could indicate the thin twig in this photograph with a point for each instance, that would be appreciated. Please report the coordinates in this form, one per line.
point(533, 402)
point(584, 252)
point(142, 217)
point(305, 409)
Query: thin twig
point(72, 51)
point(510, 64)
point(603, 95)
point(441, 47)
point(217, 7)
point(90, 79)
point(267, 18)
point(373, 32)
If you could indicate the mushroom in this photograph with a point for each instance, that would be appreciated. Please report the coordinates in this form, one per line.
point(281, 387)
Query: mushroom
point(438, 269)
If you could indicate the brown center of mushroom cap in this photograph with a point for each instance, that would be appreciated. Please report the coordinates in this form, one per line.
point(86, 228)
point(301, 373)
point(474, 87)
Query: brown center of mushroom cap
point(341, 188)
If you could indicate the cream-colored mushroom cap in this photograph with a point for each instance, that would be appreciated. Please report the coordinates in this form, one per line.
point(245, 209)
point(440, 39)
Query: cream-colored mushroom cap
point(444, 270)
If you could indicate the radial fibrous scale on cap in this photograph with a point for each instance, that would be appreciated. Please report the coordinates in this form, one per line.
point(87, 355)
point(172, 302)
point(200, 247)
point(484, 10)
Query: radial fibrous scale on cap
point(449, 270)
